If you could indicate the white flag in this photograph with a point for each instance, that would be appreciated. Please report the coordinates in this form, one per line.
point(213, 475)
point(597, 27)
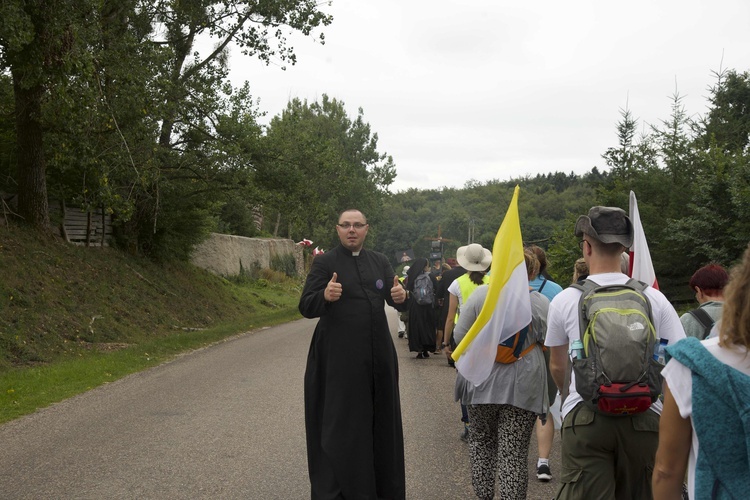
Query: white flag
point(641, 267)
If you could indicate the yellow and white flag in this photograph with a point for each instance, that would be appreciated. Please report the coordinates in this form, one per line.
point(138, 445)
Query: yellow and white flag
point(507, 308)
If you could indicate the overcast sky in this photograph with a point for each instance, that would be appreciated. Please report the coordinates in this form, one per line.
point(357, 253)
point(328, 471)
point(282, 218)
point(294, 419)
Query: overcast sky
point(490, 89)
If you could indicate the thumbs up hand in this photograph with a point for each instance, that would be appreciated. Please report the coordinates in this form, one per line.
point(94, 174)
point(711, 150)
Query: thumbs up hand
point(398, 294)
point(332, 293)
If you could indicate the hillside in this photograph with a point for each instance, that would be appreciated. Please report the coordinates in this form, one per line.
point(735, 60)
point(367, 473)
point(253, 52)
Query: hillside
point(59, 301)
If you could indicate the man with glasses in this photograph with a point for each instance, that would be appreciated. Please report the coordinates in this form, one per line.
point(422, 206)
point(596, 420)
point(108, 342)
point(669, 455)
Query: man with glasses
point(352, 406)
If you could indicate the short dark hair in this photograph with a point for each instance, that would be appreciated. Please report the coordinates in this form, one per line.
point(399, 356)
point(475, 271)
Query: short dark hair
point(608, 249)
point(711, 278)
point(352, 210)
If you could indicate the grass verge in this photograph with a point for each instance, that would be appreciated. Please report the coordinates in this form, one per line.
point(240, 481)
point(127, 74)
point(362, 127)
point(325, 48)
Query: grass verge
point(74, 318)
point(26, 389)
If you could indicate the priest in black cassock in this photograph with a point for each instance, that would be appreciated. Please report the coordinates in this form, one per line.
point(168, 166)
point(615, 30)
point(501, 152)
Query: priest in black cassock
point(355, 446)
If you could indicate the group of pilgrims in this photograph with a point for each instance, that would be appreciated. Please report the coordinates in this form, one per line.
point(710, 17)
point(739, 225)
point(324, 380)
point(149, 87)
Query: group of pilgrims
point(352, 402)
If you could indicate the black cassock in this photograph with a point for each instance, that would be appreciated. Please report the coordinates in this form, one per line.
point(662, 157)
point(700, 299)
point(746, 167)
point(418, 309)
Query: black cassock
point(355, 446)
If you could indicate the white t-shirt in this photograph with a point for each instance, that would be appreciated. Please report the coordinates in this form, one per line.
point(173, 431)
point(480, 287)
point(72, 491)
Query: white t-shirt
point(455, 289)
point(680, 381)
point(563, 324)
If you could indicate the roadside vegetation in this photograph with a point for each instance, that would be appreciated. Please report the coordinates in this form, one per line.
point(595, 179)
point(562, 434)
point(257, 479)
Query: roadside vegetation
point(73, 318)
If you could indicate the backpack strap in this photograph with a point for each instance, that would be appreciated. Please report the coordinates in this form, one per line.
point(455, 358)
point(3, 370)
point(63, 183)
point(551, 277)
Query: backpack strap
point(704, 319)
point(585, 287)
point(542, 285)
point(518, 351)
point(640, 287)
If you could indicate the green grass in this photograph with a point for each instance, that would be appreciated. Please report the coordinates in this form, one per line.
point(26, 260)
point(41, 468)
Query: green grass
point(73, 318)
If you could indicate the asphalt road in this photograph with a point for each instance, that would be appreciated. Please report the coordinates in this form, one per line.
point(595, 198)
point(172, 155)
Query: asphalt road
point(226, 422)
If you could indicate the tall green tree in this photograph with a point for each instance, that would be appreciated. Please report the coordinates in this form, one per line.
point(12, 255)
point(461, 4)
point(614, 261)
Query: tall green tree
point(321, 161)
point(117, 108)
point(711, 225)
point(41, 44)
point(728, 121)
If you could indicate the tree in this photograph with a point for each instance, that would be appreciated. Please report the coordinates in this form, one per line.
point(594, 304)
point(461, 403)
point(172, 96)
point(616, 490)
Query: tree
point(716, 184)
point(320, 162)
point(40, 43)
point(622, 159)
point(728, 121)
point(116, 109)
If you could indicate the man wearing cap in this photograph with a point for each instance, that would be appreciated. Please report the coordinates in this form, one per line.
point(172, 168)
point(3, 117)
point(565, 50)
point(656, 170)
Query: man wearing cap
point(603, 456)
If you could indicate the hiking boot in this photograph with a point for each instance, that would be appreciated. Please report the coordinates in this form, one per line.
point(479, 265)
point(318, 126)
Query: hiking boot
point(543, 473)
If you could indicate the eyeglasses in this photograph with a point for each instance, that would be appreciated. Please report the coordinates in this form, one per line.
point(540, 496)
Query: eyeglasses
point(348, 225)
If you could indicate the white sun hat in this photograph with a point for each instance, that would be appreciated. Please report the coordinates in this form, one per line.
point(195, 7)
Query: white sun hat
point(474, 257)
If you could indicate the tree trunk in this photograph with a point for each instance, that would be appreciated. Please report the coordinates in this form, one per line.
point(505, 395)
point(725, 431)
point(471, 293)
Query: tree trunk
point(32, 182)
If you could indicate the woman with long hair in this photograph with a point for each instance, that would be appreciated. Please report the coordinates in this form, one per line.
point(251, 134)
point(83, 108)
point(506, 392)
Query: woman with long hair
point(705, 424)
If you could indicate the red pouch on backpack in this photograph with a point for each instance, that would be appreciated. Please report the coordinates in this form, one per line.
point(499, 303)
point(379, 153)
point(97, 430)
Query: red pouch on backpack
point(619, 399)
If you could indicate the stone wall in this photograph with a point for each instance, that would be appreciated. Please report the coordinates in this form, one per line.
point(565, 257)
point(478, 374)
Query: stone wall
point(222, 254)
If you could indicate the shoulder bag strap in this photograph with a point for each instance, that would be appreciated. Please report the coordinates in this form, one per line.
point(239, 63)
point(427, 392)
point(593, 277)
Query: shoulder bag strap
point(704, 319)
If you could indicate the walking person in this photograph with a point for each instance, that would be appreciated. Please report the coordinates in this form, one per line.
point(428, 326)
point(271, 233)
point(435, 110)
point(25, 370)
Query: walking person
point(440, 307)
point(476, 260)
point(705, 425)
point(542, 282)
point(355, 446)
point(603, 455)
point(708, 284)
point(421, 315)
point(504, 407)
point(443, 296)
point(545, 427)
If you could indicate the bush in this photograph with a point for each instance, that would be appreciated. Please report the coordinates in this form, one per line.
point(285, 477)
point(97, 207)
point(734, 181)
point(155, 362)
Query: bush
point(284, 263)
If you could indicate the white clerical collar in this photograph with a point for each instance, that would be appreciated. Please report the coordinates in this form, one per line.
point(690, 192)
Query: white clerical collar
point(356, 254)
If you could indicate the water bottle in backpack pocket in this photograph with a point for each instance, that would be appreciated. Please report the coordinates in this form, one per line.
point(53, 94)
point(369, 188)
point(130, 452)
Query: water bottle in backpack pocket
point(618, 374)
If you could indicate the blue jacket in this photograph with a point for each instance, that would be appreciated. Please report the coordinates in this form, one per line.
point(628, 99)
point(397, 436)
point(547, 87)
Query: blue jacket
point(721, 417)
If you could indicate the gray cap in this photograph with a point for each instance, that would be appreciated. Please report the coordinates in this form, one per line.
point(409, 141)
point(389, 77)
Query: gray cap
point(606, 224)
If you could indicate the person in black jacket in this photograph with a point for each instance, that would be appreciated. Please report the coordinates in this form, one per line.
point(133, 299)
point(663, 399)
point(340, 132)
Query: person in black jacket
point(355, 443)
point(421, 316)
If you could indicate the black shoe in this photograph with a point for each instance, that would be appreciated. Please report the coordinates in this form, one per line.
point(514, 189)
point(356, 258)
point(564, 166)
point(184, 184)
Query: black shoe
point(465, 434)
point(426, 354)
point(543, 473)
point(420, 356)
point(451, 363)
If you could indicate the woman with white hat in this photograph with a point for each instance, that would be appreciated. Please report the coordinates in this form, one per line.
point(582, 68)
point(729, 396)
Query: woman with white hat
point(476, 260)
